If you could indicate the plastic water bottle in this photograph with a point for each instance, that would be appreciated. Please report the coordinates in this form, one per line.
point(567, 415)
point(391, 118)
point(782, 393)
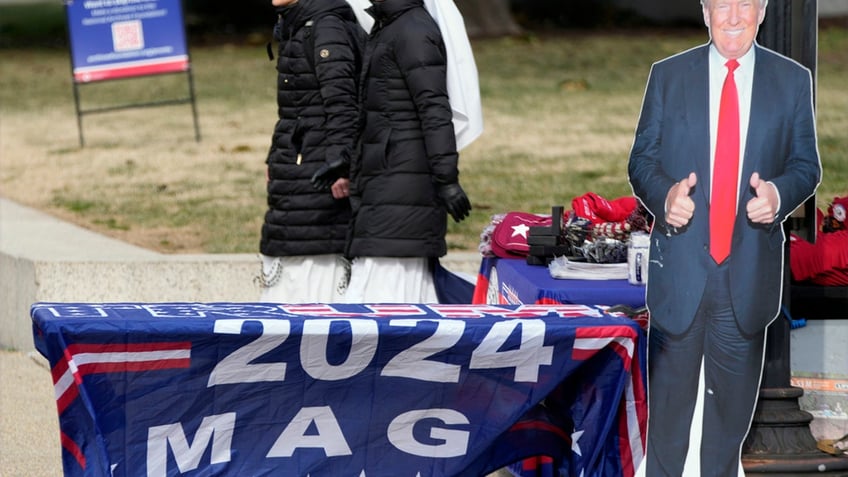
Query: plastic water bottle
point(637, 258)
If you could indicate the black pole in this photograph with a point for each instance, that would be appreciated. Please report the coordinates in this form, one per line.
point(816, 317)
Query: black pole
point(193, 104)
point(191, 95)
point(780, 442)
point(73, 78)
point(79, 113)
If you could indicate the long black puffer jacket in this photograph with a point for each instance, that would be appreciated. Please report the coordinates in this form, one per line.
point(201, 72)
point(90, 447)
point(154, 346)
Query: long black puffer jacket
point(318, 123)
point(408, 142)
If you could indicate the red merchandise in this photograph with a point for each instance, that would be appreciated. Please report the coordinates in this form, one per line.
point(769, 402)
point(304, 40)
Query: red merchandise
point(596, 209)
point(509, 239)
point(838, 208)
point(836, 215)
point(824, 262)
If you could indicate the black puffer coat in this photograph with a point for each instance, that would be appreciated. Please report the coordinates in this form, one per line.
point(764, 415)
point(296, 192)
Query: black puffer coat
point(318, 123)
point(408, 143)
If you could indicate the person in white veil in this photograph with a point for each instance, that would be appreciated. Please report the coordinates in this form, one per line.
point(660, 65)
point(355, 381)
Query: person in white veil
point(462, 80)
point(416, 118)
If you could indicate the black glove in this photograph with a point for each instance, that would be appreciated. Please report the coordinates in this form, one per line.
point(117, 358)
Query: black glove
point(455, 200)
point(329, 173)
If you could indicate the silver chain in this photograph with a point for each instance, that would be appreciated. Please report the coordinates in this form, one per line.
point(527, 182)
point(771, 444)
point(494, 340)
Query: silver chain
point(267, 280)
point(345, 279)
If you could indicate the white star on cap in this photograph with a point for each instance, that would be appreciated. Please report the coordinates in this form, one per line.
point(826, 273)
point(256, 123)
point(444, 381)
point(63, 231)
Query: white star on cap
point(520, 229)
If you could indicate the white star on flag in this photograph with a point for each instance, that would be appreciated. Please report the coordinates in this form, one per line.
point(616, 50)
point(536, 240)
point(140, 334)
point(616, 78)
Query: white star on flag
point(575, 447)
point(520, 229)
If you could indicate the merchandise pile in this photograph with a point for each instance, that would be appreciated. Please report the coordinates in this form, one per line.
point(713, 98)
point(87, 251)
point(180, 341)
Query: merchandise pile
point(595, 230)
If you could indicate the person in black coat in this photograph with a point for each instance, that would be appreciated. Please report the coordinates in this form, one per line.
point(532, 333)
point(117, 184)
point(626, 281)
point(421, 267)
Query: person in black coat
point(314, 139)
point(406, 180)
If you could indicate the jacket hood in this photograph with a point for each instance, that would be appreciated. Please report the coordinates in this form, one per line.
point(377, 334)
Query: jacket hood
point(296, 15)
point(387, 10)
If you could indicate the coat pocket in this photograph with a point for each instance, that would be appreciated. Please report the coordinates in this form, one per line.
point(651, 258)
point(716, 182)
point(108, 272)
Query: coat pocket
point(375, 154)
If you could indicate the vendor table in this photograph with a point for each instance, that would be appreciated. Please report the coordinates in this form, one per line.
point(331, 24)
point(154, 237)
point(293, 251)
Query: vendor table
point(404, 390)
point(513, 281)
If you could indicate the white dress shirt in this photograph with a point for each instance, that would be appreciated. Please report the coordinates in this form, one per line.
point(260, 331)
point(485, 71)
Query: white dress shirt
point(744, 77)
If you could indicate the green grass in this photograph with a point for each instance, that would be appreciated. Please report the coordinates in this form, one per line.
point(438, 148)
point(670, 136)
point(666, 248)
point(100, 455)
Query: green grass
point(832, 114)
point(559, 111)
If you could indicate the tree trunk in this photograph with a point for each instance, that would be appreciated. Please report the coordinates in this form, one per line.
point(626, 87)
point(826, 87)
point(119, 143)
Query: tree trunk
point(488, 18)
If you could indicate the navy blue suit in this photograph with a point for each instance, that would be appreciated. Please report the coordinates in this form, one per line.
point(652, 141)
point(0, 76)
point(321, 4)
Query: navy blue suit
point(671, 141)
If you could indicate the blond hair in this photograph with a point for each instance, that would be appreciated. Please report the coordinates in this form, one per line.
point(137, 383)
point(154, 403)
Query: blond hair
point(760, 3)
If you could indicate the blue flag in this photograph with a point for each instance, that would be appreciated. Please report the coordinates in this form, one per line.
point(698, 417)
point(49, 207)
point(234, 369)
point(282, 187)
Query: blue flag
point(382, 390)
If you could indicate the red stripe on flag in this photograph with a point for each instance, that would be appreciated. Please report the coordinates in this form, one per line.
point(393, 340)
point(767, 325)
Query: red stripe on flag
point(72, 391)
point(481, 290)
point(625, 435)
point(605, 332)
point(542, 426)
point(534, 464)
point(75, 349)
point(67, 397)
point(640, 397)
point(548, 301)
point(61, 367)
point(69, 445)
point(134, 366)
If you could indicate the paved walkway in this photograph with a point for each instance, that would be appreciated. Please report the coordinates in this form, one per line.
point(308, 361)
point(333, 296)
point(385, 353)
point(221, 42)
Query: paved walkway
point(29, 425)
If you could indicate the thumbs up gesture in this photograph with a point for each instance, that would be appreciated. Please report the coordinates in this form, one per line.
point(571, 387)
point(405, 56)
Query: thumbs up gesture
point(679, 207)
point(762, 209)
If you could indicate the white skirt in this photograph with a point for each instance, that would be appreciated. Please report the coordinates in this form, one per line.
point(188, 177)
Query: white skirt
point(391, 280)
point(304, 279)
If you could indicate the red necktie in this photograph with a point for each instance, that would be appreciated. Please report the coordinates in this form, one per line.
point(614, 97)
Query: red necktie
point(725, 169)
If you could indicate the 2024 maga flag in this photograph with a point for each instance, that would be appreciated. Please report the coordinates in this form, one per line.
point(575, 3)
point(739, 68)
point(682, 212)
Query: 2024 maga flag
point(241, 389)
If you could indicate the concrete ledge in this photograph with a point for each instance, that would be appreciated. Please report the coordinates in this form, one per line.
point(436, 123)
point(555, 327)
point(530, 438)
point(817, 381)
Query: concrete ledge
point(44, 259)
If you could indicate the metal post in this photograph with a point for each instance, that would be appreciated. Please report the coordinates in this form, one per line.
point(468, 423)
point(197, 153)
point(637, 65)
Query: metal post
point(191, 83)
point(193, 104)
point(74, 81)
point(79, 113)
point(780, 441)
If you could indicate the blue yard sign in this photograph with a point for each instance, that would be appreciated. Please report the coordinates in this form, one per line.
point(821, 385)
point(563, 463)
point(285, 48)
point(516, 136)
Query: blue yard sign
point(113, 39)
point(117, 39)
